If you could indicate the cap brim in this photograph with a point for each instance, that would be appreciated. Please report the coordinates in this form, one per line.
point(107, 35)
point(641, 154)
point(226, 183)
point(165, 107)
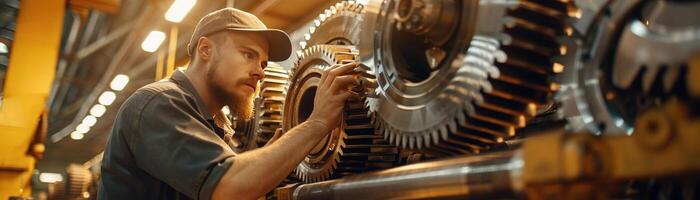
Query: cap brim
point(280, 44)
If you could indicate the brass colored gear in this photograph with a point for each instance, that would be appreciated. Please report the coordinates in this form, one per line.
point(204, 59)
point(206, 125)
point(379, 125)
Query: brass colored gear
point(78, 181)
point(354, 146)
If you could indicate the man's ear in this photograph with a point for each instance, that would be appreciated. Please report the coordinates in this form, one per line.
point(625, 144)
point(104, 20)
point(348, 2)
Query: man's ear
point(204, 48)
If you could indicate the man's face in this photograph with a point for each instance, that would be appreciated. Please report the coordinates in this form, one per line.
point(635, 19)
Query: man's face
point(237, 66)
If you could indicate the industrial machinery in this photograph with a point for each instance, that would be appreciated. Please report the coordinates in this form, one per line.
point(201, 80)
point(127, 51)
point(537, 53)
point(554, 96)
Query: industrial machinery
point(453, 80)
point(454, 93)
point(254, 133)
point(81, 181)
point(461, 76)
point(354, 146)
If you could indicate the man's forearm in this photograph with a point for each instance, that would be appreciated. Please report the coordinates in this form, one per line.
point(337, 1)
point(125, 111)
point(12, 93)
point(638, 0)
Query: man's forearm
point(258, 171)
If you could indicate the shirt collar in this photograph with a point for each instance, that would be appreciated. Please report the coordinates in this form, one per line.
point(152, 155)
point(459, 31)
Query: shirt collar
point(220, 120)
point(179, 78)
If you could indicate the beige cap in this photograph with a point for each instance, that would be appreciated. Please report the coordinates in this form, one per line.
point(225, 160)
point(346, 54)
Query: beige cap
point(238, 20)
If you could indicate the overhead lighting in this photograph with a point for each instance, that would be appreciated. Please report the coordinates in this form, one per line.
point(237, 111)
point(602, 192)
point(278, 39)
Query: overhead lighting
point(178, 10)
point(82, 128)
point(107, 98)
point(90, 120)
point(119, 82)
point(46, 177)
point(75, 135)
point(3, 48)
point(98, 110)
point(153, 41)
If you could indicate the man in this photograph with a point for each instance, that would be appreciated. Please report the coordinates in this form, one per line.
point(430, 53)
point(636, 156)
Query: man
point(170, 139)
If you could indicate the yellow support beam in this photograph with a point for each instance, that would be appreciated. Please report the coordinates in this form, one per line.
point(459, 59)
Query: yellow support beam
point(29, 76)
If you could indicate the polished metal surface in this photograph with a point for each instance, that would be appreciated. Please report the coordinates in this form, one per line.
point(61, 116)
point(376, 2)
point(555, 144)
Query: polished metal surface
point(493, 74)
point(632, 59)
point(350, 148)
point(488, 176)
point(658, 43)
point(340, 24)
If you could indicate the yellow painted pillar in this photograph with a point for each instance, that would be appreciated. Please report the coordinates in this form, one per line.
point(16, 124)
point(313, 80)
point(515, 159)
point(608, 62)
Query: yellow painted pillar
point(172, 50)
point(30, 73)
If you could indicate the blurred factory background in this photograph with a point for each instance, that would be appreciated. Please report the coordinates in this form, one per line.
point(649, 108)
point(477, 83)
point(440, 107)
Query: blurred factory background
point(461, 92)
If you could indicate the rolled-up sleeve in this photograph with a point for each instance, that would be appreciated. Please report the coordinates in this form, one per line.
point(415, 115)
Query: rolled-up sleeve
point(175, 145)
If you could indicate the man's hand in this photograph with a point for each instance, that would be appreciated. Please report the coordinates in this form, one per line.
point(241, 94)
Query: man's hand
point(284, 151)
point(333, 90)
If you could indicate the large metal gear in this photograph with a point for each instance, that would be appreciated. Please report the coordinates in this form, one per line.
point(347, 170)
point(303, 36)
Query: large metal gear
point(354, 146)
point(634, 58)
point(255, 132)
point(464, 89)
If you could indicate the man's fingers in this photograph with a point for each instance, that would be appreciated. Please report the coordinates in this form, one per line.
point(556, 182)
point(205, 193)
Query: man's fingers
point(338, 70)
point(349, 94)
point(344, 82)
point(325, 72)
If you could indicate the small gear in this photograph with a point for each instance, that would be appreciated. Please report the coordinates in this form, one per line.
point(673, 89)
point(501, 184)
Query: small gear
point(351, 148)
point(57, 191)
point(78, 181)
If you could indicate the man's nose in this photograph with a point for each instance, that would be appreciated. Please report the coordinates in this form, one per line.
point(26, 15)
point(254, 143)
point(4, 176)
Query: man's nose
point(258, 73)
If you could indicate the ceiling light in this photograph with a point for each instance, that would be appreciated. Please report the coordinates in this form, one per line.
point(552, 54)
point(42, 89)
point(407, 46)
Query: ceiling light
point(107, 98)
point(82, 128)
point(97, 110)
point(90, 120)
point(153, 41)
point(119, 82)
point(178, 10)
point(76, 136)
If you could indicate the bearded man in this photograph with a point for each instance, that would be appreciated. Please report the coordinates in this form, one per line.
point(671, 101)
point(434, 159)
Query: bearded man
point(170, 139)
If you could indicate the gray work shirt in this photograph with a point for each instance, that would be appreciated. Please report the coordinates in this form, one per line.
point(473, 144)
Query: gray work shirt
point(165, 145)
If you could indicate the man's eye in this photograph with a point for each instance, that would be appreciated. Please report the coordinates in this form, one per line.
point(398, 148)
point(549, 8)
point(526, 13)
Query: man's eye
point(248, 55)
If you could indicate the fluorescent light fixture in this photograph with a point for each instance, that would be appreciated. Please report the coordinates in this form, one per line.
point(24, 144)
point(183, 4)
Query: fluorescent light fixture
point(46, 177)
point(119, 82)
point(75, 135)
point(90, 120)
point(98, 110)
point(153, 41)
point(178, 10)
point(82, 128)
point(3, 48)
point(107, 98)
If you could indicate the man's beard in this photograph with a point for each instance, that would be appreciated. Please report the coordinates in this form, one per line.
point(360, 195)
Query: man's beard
point(240, 106)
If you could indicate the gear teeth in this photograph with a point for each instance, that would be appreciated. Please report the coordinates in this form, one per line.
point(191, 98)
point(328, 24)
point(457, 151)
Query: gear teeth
point(359, 147)
point(79, 179)
point(500, 85)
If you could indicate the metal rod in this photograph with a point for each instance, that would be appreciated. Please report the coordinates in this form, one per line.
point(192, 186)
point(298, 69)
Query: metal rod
point(486, 176)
